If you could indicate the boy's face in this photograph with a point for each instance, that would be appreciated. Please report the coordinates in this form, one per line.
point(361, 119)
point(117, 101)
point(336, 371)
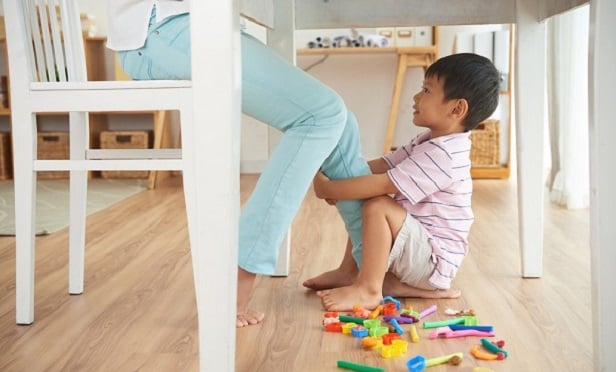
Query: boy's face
point(432, 111)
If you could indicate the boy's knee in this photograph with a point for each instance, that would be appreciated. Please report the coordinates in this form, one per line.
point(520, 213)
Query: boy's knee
point(375, 205)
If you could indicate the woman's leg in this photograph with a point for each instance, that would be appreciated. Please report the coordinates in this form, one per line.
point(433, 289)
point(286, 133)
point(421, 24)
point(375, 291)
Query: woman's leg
point(346, 161)
point(312, 118)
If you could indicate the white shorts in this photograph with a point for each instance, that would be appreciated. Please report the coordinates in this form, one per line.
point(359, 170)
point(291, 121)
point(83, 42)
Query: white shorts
point(410, 259)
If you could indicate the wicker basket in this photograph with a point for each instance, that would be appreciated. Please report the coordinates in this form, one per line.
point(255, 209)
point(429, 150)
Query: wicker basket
point(53, 146)
point(485, 150)
point(6, 160)
point(125, 140)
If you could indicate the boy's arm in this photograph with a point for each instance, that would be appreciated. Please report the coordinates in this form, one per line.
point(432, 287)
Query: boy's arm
point(362, 187)
point(378, 166)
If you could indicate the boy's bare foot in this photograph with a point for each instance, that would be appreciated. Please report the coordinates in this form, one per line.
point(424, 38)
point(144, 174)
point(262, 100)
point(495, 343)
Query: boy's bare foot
point(344, 298)
point(392, 286)
point(246, 316)
point(332, 279)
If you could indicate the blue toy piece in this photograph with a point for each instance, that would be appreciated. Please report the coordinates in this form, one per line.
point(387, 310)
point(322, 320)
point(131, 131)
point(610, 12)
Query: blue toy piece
point(416, 364)
point(394, 323)
point(359, 331)
point(391, 299)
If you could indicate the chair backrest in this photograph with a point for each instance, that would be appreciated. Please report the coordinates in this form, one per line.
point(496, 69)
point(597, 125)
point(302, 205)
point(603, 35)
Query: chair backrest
point(45, 41)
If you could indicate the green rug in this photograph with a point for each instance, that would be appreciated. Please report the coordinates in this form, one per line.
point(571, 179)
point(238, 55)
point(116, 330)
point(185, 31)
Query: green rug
point(52, 201)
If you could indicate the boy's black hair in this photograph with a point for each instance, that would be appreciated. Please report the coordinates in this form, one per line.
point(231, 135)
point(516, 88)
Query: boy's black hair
point(471, 77)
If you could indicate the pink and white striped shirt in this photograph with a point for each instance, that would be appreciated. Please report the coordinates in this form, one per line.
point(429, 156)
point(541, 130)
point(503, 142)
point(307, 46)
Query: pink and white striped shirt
point(435, 187)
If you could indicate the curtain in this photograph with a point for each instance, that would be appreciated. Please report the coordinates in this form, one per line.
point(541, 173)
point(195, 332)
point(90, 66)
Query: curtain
point(568, 107)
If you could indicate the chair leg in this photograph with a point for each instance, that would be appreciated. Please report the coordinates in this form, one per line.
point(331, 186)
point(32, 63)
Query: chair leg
point(78, 192)
point(212, 215)
point(77, 230)
point(25, 214)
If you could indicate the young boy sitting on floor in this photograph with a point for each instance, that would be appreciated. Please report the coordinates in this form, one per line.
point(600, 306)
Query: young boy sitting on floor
point(414, 243)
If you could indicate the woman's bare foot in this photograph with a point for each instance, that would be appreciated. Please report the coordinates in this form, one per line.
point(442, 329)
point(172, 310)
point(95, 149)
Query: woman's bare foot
point(332, 279)
point(246, 316)
point(344, 298)
point(392, 286)
point(249, 317)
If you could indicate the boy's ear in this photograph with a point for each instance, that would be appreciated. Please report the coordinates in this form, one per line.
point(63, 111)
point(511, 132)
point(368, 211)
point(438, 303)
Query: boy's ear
point(460, 109)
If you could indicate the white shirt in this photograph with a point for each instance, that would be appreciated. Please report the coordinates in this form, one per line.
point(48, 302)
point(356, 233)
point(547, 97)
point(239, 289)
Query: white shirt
point(128, 20)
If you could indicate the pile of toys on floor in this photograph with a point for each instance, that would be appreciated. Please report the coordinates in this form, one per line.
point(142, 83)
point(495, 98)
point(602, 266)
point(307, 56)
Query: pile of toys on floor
point(382, 330)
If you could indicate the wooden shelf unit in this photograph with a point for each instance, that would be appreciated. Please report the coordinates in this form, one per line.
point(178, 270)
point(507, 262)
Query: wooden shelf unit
point(95, 51)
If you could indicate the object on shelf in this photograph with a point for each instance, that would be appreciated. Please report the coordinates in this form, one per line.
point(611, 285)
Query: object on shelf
point(125, 140)
point(6, 161)
point(53, 146)
point(88, 24)
point(485, 148)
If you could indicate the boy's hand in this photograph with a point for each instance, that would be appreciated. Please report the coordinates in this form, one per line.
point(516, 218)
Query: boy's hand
point(320, 182)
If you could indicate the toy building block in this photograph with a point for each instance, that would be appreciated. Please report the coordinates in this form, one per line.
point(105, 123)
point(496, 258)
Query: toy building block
point(359, 331)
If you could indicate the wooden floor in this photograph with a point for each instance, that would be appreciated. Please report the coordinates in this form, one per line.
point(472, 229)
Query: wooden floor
point(138, 310)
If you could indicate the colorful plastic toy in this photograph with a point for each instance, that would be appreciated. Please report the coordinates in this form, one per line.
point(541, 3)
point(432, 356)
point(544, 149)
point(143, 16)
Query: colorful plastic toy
point(453, 359)
point(397, 348)
point(326, 321)
point(466, 320)
point(429, 310)
point(390, 309)
point(351, 319)
point(359, 331)
point(394, 323)
point(372, 342)
point(413, 332)
point(358, 367)
point(371, 323)
point(416, 363)
point(446, 332)
point(399, 319)
point(478, 353)
point(378, 331)
point(346, 328)
point(492, 347)
point(461, 327)
point(389, 338)
point(376, 312)
point(333, 327)
point(387, 299)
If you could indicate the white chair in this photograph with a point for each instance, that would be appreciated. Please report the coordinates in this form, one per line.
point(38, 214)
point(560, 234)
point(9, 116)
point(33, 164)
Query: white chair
point(48, 74)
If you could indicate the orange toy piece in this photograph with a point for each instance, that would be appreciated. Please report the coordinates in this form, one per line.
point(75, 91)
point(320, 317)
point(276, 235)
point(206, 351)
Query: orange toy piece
point(389, 337)
point(333, 327)
point(390, 309)
point(371, 342)
point(360, 312)
point(479, 353)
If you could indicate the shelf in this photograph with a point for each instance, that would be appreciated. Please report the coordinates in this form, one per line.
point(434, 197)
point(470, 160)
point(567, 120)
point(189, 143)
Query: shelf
point(5, 112)
point(393, 50)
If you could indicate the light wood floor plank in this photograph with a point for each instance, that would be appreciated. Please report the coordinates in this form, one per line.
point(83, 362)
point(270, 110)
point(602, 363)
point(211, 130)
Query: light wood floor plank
point(138, 309)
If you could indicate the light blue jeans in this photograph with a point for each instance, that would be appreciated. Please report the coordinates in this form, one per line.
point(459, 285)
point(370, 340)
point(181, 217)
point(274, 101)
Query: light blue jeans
point(319, 132)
